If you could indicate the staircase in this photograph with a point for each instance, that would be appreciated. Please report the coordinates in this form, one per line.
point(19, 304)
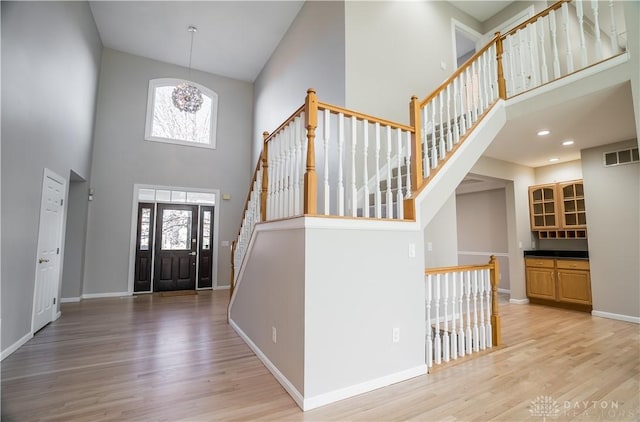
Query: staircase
point(328, 285)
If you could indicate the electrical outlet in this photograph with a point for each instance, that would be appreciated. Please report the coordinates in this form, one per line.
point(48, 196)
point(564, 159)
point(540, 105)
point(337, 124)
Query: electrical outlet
point(396, 335)
point(412, 250)
point(429, 246)
point(274, 335)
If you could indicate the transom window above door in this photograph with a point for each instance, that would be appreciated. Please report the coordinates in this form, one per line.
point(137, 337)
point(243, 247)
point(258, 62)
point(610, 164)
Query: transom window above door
point(165, 123)
point(176, 196)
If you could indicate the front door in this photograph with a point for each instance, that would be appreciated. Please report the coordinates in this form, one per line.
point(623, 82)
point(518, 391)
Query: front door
point(49, 244)
point(176, 247)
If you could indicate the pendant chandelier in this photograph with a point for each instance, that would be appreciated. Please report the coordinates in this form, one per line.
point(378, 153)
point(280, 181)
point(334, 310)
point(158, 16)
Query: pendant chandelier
point(185, 96)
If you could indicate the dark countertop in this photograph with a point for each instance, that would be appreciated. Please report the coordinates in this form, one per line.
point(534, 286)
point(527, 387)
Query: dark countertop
point(558, 254)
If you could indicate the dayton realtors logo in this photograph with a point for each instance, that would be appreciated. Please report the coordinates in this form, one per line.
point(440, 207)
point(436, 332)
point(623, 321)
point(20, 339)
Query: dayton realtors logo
point(544, 406)
point(547, 407)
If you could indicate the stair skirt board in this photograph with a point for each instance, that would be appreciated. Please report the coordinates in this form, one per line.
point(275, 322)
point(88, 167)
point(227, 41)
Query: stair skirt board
point(332, 396)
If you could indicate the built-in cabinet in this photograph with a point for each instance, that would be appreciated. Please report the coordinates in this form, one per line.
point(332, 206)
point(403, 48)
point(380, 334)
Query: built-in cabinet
point(557, 210)
point(559, 281)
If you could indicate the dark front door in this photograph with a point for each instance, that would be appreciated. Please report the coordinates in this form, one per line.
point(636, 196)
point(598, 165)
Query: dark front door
point(144, 248)
point(176, 247)
point(205, 266)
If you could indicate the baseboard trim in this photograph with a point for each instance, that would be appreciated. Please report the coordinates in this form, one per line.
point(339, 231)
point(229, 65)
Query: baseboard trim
point(279, 376)
point(69, 299)
point(354, 390)
point(619, 317)
point(15, 346)
point(221, 287)
point(103, 295)
point(58, 315)
point(519, 301)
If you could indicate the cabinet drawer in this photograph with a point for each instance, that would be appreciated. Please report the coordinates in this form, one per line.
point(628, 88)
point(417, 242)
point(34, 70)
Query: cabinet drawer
point(539, 262)
point(573, 264)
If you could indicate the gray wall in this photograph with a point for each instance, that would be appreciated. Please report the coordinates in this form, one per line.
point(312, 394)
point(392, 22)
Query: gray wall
point(440, 235)
point(311, 55)
point(50, 67)
point(611, 199)
point(394, 51)
point(123, 158)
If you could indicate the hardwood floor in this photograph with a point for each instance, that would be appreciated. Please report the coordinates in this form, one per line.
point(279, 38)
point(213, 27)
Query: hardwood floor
point(175, 358)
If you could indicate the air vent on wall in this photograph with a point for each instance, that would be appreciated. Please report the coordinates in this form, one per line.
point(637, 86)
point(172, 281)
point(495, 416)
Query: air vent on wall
point(623, 156)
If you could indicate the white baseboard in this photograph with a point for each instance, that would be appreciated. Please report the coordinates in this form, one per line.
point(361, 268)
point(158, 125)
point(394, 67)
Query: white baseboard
point(69, 299)
point(619, 317)
point(15, 346)
point(102, 295)
point(221, 287)
point(354, 390)
point(288, 386)
point(519, 301)
point(504, 290)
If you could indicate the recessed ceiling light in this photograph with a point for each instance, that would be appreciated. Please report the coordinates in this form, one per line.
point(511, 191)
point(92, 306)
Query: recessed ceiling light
point(553, 159)
point(567, 143)
point(544, 132)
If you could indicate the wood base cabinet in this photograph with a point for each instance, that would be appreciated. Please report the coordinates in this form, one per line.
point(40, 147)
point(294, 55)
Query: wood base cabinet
point(559, 282)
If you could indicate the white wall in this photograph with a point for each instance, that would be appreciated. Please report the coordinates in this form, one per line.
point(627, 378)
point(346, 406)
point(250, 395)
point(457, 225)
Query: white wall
point(556, 173)
point(50, 67)
point(440, 237)
point(310, 55)
point(122, 158)
point(394, 51)
point(611, 199)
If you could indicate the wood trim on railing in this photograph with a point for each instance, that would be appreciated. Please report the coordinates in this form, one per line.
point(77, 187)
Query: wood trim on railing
point(265, 178)
point(456, 269)
point(457, 73)
point(416, 143)
point(534, 18)
point(246, 202)
point(362, 116)
point(502, 83)
point(310, 176)
point(285, 123)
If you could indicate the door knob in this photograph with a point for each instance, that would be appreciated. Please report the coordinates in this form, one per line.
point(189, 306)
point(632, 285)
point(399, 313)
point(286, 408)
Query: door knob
point(192, 253)
point(42, 260)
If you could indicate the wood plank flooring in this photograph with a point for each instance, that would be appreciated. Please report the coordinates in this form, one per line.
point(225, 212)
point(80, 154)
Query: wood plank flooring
point(153, 358)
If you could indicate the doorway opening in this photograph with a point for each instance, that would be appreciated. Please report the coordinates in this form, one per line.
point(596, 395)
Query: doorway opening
point(174, 239)
point(466, 42)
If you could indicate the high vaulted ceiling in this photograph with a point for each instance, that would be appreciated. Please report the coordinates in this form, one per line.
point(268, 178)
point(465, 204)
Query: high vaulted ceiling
point(234, 38)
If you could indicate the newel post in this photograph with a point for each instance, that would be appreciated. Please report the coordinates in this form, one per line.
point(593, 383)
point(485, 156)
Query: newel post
point(310, 176)
point(502, 84)
point(265, 178)
point(494, 272)
point(416, 156)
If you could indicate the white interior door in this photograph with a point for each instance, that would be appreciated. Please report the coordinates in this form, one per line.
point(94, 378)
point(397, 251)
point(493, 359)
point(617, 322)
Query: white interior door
point(49, 244)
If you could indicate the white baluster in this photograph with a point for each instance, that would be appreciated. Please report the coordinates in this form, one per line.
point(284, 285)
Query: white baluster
point(487, 291)
point(303, 158)
point(445, 335)
point(434, 149)
point(389, 196)
point(441, 141)
point(471, 117)
point(456, 116)
point(399, 193)
point(483, 332)
point(449, 134)
point(454, 301)
point(288, 170)
point(531, 42)
point(511, 86)
point(521, 54)
point(468, 334)
point(354, 188)
point(327, 134)
point(426, 168)
point(408, 165)
point(461, 337)
point(474, 90)
point(283, 173)
point(554, 43)
point(340, 193)
point(596, 22)
point(461, 116)
point(429, 329)
point(565, 25)
point(296, 173)
point(583, 42)
point(474, 287)
point(438, 339)
point(276, 173)
point(544, 71)
point(378, 194)
point(613, 34)
point(484, 85)
point(365, 178)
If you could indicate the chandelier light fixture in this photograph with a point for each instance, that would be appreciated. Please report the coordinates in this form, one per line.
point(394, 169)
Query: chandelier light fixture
point(185, 96)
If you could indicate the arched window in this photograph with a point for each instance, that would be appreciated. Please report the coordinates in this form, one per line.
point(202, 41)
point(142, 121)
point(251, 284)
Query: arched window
point(165, 123)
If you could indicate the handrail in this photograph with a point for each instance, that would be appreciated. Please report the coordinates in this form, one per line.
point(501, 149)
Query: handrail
point(285, 123)
point(459, 71)
point(363, 116)
point(534, 18)
point(456, 269)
